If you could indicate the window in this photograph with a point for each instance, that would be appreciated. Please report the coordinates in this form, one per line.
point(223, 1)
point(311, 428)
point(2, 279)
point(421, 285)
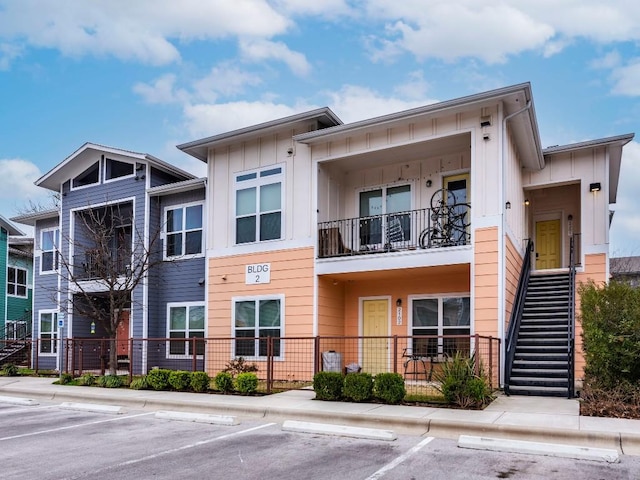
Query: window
point(116, 169)
point(185, 321)
point(183, 231)
point(90, 176)
point(256, 319)
point(16, 282)
point(437, 317)
point(48, 333)
point(259, 206)
point(49, 246)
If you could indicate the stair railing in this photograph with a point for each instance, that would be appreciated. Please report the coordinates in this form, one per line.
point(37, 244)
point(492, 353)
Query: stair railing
point(516, 315)
point(571, 342)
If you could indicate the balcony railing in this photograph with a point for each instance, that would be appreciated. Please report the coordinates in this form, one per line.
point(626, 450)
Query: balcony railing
point(443, 226)
point(94, 265)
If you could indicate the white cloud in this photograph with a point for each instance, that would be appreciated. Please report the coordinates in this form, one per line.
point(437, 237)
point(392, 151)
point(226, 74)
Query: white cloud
point(8, 53)
point(260, 49)
point(224, 79)
point(17, 187)
point(627, 78)
point(161, 90)
point(324, 8)
point(625, 229)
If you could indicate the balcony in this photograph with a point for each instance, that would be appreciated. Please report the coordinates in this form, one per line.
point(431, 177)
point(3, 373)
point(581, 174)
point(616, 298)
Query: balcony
point(442, 225)
point(98, 265)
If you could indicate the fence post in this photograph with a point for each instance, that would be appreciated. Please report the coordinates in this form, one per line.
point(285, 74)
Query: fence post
point(194, 357)
point(316, 354)
point(477, 350)
point(491, 362)
point(37, 355)
point(269, 363)
point(395, 354)
point(130, 360)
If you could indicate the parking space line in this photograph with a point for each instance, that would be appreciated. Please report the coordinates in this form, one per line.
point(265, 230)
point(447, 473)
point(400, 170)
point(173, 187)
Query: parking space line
point(69, 427)
point(398, 460)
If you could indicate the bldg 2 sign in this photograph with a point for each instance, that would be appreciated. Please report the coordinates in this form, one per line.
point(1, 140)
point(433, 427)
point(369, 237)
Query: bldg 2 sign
point(257, 273)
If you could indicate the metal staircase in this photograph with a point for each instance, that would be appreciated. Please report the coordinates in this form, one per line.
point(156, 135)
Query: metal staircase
point(15, 341)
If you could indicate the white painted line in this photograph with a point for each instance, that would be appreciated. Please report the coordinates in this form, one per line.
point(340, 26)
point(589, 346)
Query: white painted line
point(537, 448)
point(198, 418)
point(19, 401)
point(338, 430)
point(92, 407)
point(397, 461)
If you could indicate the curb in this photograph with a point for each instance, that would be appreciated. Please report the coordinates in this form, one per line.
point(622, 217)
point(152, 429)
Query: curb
point(92, 407)
point(25, 402)
point(198, 418)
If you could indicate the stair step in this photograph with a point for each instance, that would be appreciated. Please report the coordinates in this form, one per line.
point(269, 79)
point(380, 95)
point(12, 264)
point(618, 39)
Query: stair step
point(531, 372)
point(539, 381)
point(542, 356)
point(539, 365)
point(538, 391)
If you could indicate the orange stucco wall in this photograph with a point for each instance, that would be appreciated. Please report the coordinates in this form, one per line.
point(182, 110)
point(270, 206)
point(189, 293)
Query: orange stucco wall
point(486, 281)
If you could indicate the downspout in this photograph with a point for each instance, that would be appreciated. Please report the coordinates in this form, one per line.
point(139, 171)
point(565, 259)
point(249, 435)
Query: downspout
point(501, 243)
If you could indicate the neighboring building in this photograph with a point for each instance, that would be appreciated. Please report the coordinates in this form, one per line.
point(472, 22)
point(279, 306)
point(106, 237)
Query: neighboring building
point(349, 223)
point(149, 205)
point(626, 269)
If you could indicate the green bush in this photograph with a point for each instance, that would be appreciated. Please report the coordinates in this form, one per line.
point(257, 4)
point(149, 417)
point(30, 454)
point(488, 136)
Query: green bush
point(389, 387)
point(158, 378)
point(139, 383)
point(180, 380)
point(610, 317)
point(87, 379)
point(9, 370)
point(224, 382)
point(460, 385)
point(110, 381)
point(200, 382)
point(246, 383)
point(65, 378)
point(328, 385)
point(358, 387)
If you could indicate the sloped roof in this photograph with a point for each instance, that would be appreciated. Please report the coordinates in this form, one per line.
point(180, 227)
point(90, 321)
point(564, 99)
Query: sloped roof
point(10, 227)
point(32, 217)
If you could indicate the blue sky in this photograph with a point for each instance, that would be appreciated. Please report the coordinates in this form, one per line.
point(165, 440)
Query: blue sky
point(151, 74)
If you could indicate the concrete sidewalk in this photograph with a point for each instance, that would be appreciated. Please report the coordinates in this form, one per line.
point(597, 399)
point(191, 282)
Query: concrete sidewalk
point(540, 419)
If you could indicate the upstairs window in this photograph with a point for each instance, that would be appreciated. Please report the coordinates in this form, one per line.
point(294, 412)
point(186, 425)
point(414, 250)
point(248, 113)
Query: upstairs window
point(117, 169)
point(183, 231)
point(259, 205)
point(90, 176)
point(17, 282)
point(49, 247)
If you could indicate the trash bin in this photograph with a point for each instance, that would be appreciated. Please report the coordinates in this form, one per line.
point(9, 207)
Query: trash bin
point(331, 361)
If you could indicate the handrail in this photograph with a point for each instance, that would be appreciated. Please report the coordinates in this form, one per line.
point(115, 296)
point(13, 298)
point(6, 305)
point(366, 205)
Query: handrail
point(516, 315)
point(22, 333)
point(571, 340)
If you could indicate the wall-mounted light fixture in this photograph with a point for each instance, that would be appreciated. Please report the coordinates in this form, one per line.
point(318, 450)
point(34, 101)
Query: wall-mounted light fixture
point(595, 187)
point(399, 302)
point(429, 183)
point(485, 121)
point(526, 202)
point(486, 136)
point(507, 205)
point(570, 217)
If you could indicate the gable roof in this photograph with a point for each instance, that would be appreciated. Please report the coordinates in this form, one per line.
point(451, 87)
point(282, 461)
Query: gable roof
point(10, 227)
point(68, 168)
point(32, 217)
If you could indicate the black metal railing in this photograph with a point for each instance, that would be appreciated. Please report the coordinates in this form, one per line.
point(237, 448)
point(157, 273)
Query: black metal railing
point(94, 264)
point(571, 315)
point(516, 315)
point(17, 329)
point(436, 227)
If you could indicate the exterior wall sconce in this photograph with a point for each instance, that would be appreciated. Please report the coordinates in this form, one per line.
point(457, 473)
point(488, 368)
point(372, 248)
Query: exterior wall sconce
point(399, 302)
point(507, 205)
point(485, 121)
point(595, 187)
point(486, 136)
point(429, 183)
point(526, 202)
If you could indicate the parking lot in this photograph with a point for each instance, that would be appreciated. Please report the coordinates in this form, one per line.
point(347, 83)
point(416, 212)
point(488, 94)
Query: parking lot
point(47, 441)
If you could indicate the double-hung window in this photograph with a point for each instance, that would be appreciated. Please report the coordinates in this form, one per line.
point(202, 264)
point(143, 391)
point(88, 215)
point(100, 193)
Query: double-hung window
point(17, 282)
point(185, 322)
point(255, 319)
point(49, 246)
point(438, 318)
point(48, 333)
point(183, 231)
point(259, 205)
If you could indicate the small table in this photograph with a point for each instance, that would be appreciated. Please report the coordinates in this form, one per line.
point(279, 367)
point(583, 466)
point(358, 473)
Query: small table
point(415, 359)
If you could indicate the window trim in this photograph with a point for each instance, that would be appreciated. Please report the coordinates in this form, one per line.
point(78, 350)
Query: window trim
point(256, 298)
point(16, 284)
point(55, 251)
point(88, 185)
point(53, 333)
point(109, 180)
point(187, 305)
point(255, 179)
point(165, 233)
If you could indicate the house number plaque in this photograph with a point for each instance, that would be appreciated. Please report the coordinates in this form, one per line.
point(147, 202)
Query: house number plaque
point(257, 273)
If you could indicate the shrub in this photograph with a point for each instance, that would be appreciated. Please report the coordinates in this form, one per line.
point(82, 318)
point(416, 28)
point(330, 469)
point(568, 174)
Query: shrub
point(224, 382)
point(459, 384)
point(158, 378)
point(110, 381)
point(358, 387)
point(87, 379)
point(328, 385)
point(200, 382)
point(65, 378)
point(180, 380)
point(239, 365)
point(9, 370)
point(246, 383)
point(139, 383)
point(389, 387)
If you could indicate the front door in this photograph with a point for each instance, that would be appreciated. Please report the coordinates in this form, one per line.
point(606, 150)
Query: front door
point(375, 323)
point(122, 334)
point(548, 244)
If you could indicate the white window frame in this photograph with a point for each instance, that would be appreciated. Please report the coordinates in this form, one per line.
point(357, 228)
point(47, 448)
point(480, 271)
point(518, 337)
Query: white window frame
point(108, 180)
point(53, 333)
point(183, 231)
point(258, 182)
point(71, 186)
point(257, 299)
point(55, 251)
point(440, 328)
point(16, 284)
point(187, 340)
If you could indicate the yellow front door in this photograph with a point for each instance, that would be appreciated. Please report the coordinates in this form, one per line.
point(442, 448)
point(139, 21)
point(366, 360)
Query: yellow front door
point(375, 323)
point(548, 245)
